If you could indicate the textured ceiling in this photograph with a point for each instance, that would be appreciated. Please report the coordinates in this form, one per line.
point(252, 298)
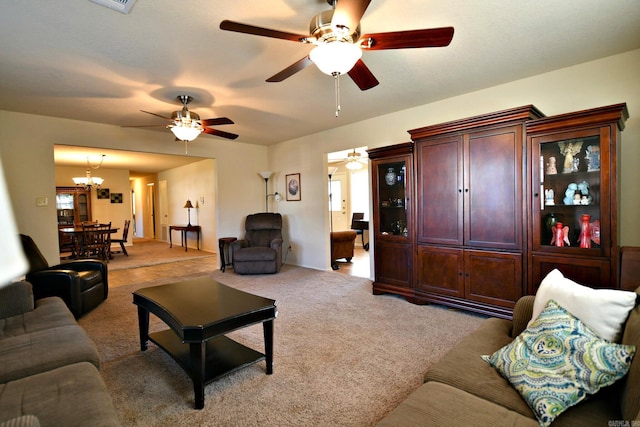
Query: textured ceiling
point(78, 60)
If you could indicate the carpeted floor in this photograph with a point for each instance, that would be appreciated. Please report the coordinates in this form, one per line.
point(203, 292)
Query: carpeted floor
point(342, 356)
point(147, 252)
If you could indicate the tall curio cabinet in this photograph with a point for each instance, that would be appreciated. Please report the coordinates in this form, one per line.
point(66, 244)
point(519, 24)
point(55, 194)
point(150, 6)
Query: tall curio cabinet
point(476, 212)
point(73, 205)
point(392, 195)
point(574, 214)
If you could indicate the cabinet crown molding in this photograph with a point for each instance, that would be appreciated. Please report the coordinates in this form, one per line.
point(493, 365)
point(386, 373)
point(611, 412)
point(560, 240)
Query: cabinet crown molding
point(526, 112)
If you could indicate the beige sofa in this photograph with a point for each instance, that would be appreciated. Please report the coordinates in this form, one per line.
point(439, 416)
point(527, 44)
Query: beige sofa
point(464, 390)
point(49, 367)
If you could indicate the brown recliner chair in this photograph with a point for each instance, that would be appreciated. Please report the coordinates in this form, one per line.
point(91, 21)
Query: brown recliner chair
point(82, 284)
point(260, 252)
point(342, 244)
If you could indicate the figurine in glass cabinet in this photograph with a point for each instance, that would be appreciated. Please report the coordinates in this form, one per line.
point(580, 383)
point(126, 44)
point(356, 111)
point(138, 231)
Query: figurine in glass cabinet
point(560, 235)
point(551, 166)
point(570, 193)
point(583, 189)
point(592, 156)
point(569, 149)
point(548, 197)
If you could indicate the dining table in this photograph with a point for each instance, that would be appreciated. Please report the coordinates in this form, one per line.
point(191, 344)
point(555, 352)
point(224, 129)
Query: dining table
point(75, 233)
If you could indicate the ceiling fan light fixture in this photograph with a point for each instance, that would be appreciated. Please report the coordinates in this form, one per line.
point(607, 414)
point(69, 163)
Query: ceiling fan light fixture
point(353, 165)
point(185, 132)
point(335, 57)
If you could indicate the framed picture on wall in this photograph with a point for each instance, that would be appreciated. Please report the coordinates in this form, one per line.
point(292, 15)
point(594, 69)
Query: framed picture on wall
point(103, 193)
point(116, 197)
point(293, 187)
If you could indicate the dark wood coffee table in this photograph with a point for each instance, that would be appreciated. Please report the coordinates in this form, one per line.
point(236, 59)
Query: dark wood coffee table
point(199, 312)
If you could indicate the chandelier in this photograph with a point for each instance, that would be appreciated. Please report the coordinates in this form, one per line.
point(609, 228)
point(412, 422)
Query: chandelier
point(89, 181)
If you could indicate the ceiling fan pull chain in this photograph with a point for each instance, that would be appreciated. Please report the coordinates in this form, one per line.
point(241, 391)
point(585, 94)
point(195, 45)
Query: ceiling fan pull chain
point(336, 78)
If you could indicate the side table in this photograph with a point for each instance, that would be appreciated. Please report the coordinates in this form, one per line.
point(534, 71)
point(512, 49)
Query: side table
point(184, 229)
point(222, 242)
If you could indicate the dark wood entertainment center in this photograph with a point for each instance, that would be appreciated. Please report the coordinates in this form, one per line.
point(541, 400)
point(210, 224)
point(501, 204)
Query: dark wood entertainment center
point(469, 217)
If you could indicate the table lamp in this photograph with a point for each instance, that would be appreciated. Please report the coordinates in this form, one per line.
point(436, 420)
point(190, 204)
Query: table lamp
point(188, 206)
point(13, 263)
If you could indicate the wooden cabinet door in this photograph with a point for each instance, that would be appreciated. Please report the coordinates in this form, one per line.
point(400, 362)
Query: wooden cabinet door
point(593, 272)
point(440, 198)
point(440, 270)
point(493, 277)
point(493, 188)
point(393, 263)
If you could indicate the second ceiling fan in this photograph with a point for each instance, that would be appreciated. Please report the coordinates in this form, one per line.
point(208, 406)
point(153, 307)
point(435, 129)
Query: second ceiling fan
point(187, 125)
point(339, 45)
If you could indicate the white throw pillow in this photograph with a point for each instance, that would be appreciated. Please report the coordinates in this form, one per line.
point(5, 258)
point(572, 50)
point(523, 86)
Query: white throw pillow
point(603, 310)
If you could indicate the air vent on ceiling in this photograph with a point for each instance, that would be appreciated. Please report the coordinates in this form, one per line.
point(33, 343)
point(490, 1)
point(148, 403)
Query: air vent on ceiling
point(123, 6)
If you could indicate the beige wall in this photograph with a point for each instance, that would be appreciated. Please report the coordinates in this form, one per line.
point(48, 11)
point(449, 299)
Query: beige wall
point(606, 81)
point(27, 153)
point(195, 182)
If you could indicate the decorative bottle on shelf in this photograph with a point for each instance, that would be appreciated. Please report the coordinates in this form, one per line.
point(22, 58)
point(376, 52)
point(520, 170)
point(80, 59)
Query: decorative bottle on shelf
point(390, 177)
point(585, 231)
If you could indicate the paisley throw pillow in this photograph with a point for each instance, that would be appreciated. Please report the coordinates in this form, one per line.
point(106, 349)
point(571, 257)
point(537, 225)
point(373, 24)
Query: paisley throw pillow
point(558, 361)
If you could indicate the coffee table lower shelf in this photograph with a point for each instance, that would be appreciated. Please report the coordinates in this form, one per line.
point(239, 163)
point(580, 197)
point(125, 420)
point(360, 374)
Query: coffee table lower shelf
point(223, 355)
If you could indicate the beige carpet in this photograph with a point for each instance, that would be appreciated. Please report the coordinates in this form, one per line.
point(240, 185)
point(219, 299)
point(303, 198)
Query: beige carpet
point(342, 356)
point(147, 252)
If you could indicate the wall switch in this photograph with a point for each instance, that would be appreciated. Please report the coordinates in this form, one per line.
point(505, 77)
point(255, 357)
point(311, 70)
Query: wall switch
point(42, 201)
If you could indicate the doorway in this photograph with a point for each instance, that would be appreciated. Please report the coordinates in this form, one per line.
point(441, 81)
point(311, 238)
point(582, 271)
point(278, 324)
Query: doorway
point(349, 192)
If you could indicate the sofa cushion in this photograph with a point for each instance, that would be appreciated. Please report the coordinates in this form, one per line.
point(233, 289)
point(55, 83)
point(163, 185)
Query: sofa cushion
point(436, 404)
point(35, 352)
point(255, 254)
point(48, 313)
point(559, 361)
point(463, 368)
point(15, 299)
point(72, 395)
point(603, 310)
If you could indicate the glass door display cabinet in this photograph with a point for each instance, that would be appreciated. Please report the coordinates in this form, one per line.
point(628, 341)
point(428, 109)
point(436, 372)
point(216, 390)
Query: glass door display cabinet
point(392, 222)
point(574, 201)
point(73, 206)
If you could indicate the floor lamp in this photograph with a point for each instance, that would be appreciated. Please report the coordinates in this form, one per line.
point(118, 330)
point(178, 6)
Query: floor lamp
point(332, 170)
point(266, 175)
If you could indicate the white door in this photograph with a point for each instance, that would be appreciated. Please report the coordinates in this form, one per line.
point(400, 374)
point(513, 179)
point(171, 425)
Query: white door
point(339, 203)
point(164, 210)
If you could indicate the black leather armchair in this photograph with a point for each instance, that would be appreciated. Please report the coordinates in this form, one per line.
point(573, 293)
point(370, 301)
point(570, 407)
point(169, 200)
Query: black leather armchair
point(260, 252)
point(82, 284)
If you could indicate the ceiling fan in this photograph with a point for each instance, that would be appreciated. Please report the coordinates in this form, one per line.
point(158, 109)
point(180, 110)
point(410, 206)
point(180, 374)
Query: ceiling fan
point(353, 161)
point(339, 45)
point(187, 125)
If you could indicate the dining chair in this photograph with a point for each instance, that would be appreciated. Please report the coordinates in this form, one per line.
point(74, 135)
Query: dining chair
point(123, 240)
point(96, 241)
